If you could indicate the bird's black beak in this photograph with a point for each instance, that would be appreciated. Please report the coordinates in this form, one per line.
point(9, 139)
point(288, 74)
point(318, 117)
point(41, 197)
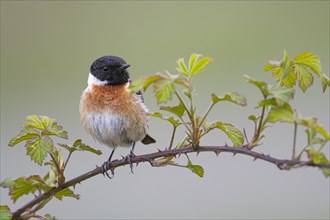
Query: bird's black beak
point(125, 66)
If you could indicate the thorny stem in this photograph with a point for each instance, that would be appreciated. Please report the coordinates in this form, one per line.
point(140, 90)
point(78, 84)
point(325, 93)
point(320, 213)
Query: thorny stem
point(258, 130)
point(282, 164)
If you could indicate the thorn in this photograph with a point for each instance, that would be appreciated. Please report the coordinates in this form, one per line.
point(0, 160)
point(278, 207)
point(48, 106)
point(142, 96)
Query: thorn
point(122, 157)
point(137, 164)
point(174, 156)
point(234, 154)
point(197, 153)
point(254, 159)
point(179, 155)
point(217, 152)
point(226, 145)
point(159, 150)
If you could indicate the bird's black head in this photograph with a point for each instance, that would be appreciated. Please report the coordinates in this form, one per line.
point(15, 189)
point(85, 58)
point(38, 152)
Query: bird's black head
point(111, 69)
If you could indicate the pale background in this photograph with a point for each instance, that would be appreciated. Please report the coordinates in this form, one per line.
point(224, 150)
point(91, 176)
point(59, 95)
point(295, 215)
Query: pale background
point(46, 51)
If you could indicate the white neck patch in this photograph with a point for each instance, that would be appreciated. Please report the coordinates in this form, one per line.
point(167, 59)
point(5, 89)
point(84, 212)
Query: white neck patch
point(93, 80)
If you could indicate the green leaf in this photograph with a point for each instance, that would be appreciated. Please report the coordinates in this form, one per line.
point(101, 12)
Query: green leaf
point(25, 134)
point(200, 65)
point(173, 121)
point(55, 129)
point(253, 118)
point(26, 186)
point(178, 110)
point(5, 213)
point(38, 148)
point(50, 217)
point(193, 59)
point(143, 82)
point(182, 68)
point(84, 147)
point(281, 95)
point(325, 82)
point(38, 122)
point(261, 85)
point(232, 133)
point(267, 102)
point(317, 157)
point(326, 172)
point(7, 183)
point(285, 66)
point(197, 169)
point(163, 88)
point(66, 193)
point(321, 130)
point(233, 97)
point(310, 60)
point(304, 77)
point(283, 114)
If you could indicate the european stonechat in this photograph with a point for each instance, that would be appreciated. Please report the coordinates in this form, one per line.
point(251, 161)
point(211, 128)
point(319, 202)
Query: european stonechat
point(112, 114)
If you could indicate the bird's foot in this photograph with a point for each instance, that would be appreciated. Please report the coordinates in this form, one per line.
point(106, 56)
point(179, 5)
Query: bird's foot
point(104, 169)
point(128, 157)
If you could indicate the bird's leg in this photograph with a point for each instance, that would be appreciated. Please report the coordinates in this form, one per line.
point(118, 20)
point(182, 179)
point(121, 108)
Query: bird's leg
point(105, 165)
point(129, 157)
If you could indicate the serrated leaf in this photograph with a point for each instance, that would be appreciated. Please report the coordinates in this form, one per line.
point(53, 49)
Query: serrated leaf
point(321, 130)
point(310, 60)
point(5, 213)
point(325, 82)
point(50, 217)
point(261, 85)
point(318, 157)
point(281, 95)
point(285, 66)
point(163, 89)
point(39, 122)
point(282, 114)
point(25, 134)
point(7, 183)
point(26, 186)
point(38, 148)
point(304, 77)
point(173, 121)
point(232, 133)
point(233, 97)
point(200, 65)
point(55, 129)
point(178, 110)
point(197, 169)
point(193, 59)
point(326, 172)
point(66, 193)
point(84, 147)
point(67, 147)
point(143, 83)
point(182, 68)
point(290, 80)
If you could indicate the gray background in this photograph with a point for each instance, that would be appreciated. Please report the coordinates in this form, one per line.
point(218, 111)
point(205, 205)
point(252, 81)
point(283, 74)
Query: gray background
point(46, 51)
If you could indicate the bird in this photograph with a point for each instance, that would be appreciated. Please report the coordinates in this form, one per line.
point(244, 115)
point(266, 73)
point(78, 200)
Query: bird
point(112, 114)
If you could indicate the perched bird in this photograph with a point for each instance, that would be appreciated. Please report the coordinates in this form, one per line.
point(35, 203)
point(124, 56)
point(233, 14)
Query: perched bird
point(112, 114)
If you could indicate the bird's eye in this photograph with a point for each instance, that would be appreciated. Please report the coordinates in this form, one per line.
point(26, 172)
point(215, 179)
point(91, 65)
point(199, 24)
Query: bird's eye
point(105, 69)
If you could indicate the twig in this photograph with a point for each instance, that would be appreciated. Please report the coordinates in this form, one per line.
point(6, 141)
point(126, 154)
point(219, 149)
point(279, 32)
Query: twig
point(282, 164)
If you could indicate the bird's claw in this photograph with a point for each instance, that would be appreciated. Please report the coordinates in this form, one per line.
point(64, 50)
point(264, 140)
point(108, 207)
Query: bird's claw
point(104, 170)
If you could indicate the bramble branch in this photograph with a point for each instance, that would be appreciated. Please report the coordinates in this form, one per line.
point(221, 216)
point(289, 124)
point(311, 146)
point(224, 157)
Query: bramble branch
point(283, 164)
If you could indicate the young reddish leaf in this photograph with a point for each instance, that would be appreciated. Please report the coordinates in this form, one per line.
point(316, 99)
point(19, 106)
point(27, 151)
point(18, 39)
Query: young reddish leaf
point(5, 213)
point(38, 148)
